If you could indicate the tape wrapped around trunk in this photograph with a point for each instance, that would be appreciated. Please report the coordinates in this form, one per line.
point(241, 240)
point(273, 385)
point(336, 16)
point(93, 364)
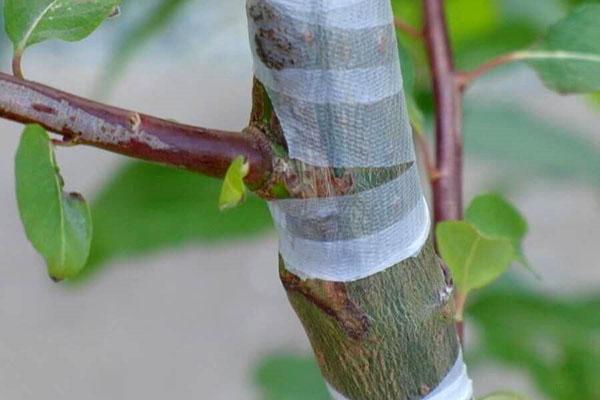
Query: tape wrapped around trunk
point(332, 72)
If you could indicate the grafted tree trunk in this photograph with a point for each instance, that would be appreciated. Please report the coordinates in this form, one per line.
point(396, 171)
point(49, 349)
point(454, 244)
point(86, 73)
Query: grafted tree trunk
point(388, 336)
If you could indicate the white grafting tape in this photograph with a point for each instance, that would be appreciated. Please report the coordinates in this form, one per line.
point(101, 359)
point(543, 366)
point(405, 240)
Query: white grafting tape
point(343, 14)
point(332, 71)
point(335, 395)
point(353, 259)
point(360, 85)
point(455, 386)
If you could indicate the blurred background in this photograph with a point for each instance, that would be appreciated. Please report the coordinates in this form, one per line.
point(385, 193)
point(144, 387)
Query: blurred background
point(181, 301)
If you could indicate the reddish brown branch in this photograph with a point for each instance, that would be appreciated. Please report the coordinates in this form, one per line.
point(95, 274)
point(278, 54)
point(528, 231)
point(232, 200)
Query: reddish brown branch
point(465, 78)
point(447, 189)
point(136, 135)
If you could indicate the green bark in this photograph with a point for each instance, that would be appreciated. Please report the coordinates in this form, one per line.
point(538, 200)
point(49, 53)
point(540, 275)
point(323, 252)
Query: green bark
point(388, 336)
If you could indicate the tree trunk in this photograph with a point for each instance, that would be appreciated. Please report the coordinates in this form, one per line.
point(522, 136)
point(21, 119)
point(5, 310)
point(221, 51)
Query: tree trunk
point(387, 336)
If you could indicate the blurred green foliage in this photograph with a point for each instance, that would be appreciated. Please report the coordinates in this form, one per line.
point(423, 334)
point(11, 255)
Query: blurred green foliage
point(482, 29)
point(524, 144)
point(576, 41)
point(504, 395)
point(4, 41)
point(553, 341)
point(159, 15)
point(285, 377)
point(147, 207)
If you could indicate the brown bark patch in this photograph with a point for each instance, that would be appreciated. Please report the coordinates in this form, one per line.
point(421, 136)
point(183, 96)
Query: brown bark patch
point(332, 298)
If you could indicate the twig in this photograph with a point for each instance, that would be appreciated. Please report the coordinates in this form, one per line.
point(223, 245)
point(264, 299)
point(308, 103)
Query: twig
point(16, 65)
point(424, 147)
point(465, 78)
point(407, 28)
point(83, 121)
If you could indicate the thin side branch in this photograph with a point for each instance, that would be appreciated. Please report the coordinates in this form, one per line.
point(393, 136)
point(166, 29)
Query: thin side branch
point(82, 121)
point(465, 79)
point(407, 28)
point(424, 148)
point(16, 65)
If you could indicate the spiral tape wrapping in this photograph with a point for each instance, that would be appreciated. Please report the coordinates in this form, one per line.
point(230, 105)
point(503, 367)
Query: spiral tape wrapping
point(332, 71)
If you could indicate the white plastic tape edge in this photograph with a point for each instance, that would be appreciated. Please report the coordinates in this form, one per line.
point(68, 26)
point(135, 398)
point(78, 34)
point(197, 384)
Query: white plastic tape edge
point(335, 395)
point(343, 14)
point(351, 260)
point(455, 386)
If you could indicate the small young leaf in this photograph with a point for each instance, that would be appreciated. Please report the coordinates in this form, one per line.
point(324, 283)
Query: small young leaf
point(504, 396)
point(58, 224)
point(33, 21)
point(475, 260)
point(568, 57)
point(145, 208)
point(234, 190)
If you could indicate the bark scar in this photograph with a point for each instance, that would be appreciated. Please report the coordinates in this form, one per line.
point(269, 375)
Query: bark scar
point(332, 298)
point(43, 108)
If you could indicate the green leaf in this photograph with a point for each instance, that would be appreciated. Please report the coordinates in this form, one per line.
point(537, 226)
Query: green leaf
point(504, 395)
point(568, 56)
point(552, 340)
point(58, 224)
point(33, 21)
point(145, 208)
point(291, 378)
point(233, 190)
point(493, 216)
point(475, 260)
